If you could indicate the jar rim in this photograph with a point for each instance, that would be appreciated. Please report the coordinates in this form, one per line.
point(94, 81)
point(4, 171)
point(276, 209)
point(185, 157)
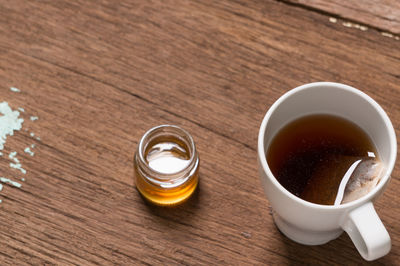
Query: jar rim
point(173, 130)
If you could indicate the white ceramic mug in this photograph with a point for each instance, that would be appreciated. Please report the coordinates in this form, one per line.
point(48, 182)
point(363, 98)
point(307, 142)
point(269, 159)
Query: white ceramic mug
point(314, 224)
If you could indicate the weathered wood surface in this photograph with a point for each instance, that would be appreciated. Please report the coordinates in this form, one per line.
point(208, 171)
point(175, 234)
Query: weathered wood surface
point(98, 74)
point(380, 14)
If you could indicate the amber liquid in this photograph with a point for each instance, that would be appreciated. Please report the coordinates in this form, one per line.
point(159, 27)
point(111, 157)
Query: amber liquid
point(310, 155)
point(167, 155)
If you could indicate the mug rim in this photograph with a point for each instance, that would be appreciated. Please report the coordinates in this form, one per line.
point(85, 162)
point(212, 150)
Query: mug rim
point(393, 143)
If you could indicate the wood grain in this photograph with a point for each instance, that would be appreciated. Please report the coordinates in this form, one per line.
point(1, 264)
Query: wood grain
point(381, 14)
point(98, 74)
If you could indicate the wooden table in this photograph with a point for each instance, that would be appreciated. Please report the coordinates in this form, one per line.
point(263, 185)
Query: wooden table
point(98, 74)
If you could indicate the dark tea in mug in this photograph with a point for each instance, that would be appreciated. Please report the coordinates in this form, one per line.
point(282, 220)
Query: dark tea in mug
point(324, 159)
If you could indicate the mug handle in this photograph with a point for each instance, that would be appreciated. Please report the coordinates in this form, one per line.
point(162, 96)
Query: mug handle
point(367, 232)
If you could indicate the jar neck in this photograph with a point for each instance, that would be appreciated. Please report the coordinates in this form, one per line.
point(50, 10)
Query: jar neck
point(166, 180)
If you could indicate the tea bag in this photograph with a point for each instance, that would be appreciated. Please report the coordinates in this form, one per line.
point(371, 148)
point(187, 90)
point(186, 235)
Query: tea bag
point(338, 179)
point(363, 179)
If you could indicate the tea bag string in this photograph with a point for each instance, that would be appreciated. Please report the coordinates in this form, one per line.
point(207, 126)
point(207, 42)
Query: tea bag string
point(343, 183)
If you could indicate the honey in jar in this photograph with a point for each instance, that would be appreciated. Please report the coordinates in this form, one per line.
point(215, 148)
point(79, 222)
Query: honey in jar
point(166, 165)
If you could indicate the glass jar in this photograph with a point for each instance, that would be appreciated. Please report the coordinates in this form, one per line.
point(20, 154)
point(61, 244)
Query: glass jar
point(166, 165)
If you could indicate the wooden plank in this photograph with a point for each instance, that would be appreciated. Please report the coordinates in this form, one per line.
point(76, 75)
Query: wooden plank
point(381, 14)
point(98, 75)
